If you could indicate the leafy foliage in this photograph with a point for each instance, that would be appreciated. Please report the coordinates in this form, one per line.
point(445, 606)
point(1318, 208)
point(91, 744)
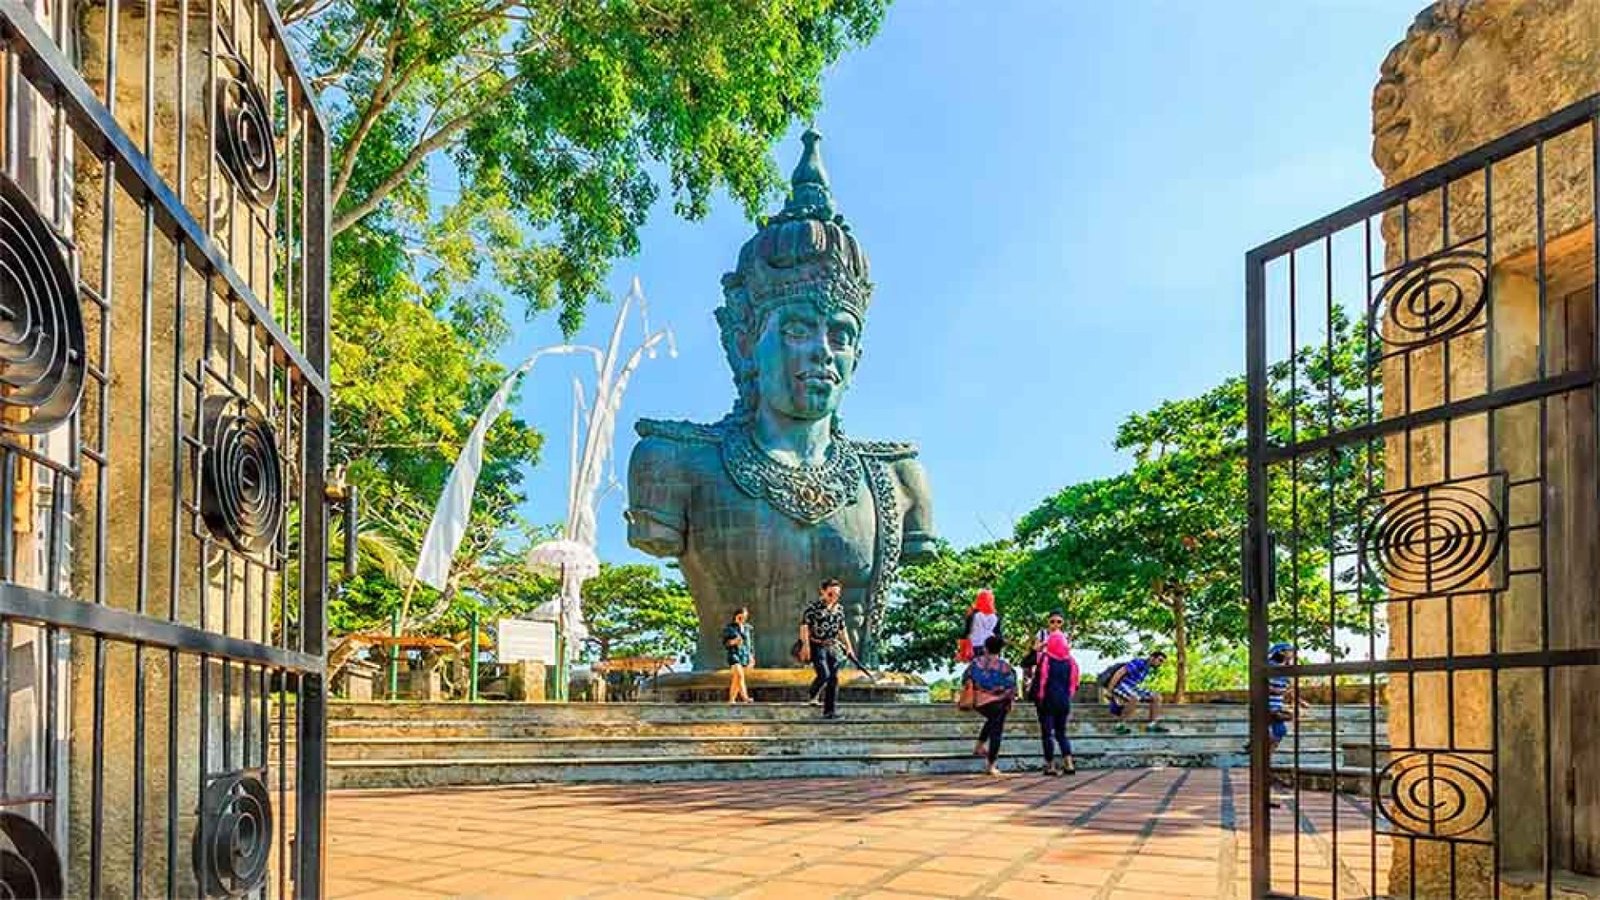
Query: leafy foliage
point(557, 116)
point(925, 615)
point(636, 610)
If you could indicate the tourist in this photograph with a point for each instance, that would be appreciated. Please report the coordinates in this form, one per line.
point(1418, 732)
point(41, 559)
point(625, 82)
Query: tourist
point(982, 621)
point(1052, 694)
point(992, 684)
point(821, 630)
point(1124, 686)
point(737, 638)
point(1279, 710)
point(1053, 625)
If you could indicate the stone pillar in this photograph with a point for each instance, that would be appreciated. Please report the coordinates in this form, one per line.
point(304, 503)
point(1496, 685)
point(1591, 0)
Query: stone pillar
point(1468, 72)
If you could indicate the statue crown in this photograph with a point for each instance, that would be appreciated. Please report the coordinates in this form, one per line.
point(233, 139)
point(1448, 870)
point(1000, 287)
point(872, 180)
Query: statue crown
point(805, 251)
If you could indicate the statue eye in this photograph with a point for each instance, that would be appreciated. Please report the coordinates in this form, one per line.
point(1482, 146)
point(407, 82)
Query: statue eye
point(842, 337)
point(795, 330)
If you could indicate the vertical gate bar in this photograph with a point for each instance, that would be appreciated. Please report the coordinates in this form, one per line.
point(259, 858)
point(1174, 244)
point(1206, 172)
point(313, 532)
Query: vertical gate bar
point(5, 699)
point(1494, 461)
point(1258, 545)
point(1294, 546)
point(98, 765)
point(1544, 522)
point(179, 450)
point(313, 556)
point(1361, 550)
point(1333, 597)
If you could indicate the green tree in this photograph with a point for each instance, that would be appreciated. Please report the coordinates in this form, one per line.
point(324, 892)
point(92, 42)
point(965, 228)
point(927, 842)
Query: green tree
point(637, 610)
point(923, 620)
point(1154, 553)
point(559, 119)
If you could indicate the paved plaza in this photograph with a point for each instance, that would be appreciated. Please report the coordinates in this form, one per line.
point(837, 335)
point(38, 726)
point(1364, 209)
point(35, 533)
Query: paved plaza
point(1108, 834)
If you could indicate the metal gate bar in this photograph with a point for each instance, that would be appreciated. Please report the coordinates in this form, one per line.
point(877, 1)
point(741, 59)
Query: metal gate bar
point(238, 268)
point(1481, 330)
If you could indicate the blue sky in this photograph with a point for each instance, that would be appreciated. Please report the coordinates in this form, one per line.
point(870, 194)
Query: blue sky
point(1056, 198)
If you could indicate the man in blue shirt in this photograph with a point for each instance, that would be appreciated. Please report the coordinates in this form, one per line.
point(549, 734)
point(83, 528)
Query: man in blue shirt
point(1124, 686)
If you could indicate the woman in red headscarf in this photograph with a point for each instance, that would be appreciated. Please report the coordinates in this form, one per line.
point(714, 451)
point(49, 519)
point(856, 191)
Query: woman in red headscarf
point(982, 621)
point(1053, 689)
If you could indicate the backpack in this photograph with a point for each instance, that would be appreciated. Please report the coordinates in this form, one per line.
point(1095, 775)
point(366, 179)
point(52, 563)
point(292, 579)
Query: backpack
point(1105, 677)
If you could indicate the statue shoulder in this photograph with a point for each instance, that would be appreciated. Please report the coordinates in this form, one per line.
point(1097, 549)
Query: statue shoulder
point(886, 451)
point(677, 431)
point(673, 447)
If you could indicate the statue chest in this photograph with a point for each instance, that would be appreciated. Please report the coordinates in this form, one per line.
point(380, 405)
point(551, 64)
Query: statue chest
point(738, 538)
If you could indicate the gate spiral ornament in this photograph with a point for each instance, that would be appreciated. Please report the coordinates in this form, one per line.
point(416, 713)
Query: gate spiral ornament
point(1432, 298)
point(241, 497)
point(234, 837)
point(41, 325)
point(1432, 541)
point(245, 140)
point(1437, 795)
point(29, 867)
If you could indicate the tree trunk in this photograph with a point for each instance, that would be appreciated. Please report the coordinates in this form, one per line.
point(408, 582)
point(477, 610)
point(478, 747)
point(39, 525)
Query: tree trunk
point(1180, 649)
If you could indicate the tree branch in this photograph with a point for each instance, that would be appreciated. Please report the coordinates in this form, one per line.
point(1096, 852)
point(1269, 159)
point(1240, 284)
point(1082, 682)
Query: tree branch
point(418, 154)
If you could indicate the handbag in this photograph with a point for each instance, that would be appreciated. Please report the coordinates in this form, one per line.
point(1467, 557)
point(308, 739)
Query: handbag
point(967, 697)
point(964, 650)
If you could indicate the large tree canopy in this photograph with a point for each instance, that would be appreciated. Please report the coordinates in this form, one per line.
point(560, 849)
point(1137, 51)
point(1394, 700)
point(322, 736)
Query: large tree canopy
point(557, 118)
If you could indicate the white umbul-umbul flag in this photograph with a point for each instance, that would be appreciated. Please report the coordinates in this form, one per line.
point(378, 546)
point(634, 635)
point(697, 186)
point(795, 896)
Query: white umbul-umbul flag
point(449, 523)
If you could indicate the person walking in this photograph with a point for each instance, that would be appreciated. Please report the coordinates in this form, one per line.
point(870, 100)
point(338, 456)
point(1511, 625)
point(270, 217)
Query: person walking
point(990, 685)
point(1052, 691)
point(982, 621)
point(821, 632)
point(737, 637)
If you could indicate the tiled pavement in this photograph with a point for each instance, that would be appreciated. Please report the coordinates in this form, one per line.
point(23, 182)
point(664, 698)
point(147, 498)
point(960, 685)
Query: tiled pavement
point(1108, 835)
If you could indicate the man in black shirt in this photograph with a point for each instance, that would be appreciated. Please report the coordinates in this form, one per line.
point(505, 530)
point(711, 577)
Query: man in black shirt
point(821, 631)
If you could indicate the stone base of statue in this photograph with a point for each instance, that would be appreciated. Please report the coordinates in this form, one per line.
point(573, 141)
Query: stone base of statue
point(781, 686)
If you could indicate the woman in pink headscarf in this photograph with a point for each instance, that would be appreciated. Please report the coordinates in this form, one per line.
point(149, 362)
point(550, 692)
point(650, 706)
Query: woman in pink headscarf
point(1054, 685)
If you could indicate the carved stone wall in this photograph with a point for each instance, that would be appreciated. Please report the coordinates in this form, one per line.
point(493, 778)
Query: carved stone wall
point(1468, 72)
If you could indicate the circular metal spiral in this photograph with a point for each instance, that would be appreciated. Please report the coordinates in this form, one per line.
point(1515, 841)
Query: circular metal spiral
point(235, 837)
point(1436, 794)
point(242, 494)
point(29, 867)
point(245, 139)
point(41, 326)
point(1433, 541)
point(1431, 299)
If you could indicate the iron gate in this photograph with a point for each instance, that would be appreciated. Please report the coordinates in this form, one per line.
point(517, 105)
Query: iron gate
point(163, 443)
point(1423, 511)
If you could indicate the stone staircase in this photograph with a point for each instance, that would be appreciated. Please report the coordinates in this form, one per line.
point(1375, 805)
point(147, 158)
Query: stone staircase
point(390, 745)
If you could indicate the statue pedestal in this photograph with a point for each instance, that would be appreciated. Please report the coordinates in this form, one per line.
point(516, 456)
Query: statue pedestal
point(781, 686)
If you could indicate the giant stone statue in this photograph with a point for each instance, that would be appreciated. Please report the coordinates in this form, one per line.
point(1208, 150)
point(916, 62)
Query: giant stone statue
point(762, 505)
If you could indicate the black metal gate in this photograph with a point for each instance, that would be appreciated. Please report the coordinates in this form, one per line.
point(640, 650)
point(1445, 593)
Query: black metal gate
point(1424, 526)
point(163, 445)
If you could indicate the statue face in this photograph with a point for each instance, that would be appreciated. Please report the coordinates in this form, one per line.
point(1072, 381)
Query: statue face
point(805, 359)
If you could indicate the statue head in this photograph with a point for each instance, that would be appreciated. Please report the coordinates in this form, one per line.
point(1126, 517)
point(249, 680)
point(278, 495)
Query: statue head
point(794, 309)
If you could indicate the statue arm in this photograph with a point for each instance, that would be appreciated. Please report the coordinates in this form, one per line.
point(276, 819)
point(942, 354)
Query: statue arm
point(920, 540)
point(658, 497)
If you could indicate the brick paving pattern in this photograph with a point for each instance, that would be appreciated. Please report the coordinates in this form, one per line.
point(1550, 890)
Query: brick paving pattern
point(1106, 835)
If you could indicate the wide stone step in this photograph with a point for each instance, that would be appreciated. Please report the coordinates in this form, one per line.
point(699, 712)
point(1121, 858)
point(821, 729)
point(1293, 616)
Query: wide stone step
point(1021, 723)
point(819, 745)
point(414, 774)
point(589, 714)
